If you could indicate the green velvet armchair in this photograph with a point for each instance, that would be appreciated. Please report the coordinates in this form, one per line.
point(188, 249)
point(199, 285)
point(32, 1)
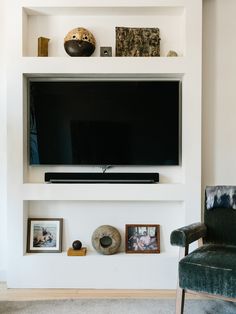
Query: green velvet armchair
point(209, 270)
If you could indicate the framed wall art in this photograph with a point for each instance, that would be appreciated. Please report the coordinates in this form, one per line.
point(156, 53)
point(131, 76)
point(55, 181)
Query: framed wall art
point(44, 235)
point(137, 42)
point(142, 238)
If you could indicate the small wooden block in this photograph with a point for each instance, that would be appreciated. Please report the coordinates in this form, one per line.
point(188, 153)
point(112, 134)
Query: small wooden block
point(72, 252)
point(43, 46)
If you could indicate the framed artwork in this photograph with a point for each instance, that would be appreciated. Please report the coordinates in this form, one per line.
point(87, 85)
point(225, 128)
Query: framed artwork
point(142, 238)
point(137, 42)
point(44, 235)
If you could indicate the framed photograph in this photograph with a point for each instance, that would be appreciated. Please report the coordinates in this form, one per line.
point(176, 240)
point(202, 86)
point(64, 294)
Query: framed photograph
point(44, 235)
point(142, 238)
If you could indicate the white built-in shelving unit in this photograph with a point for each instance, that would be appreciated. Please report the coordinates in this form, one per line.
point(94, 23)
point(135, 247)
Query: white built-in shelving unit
point(171, 203)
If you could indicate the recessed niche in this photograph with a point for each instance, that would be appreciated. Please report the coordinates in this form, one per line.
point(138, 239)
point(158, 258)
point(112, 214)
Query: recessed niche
point(54, 23)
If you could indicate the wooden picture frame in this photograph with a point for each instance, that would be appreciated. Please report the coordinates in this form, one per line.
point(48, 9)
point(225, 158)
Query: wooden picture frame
point(44, 235)
point(142, 238)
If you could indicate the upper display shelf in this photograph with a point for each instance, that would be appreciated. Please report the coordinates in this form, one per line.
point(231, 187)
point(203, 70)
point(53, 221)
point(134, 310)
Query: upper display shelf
point(110, 67)
point(54, 19)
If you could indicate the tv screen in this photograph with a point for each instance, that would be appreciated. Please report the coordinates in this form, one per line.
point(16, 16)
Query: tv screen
point(126, 122)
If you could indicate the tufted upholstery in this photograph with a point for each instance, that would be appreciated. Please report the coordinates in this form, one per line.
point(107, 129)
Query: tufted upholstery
point(210, 269)
point(221, 226)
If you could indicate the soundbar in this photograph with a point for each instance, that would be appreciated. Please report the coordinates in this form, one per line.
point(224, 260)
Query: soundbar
point(107, 177)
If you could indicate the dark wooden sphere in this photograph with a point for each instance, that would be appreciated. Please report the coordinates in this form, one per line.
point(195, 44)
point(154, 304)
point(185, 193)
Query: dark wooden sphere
point(77, 245)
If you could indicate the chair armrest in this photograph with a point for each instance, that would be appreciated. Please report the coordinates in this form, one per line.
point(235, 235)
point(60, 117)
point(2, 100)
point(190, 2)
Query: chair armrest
point(188, 234)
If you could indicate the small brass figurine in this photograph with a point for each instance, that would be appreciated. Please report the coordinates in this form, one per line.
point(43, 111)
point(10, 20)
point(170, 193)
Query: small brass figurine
point(43, 46)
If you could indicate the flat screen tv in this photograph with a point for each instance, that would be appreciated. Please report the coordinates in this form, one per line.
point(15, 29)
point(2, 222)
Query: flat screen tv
point(97, 122)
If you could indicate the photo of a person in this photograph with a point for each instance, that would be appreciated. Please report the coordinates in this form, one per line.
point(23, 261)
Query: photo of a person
point(134, 241)
point(145, 241)
point(142, 238)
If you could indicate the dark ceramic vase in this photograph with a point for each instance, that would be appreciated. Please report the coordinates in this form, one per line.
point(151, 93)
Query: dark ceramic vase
point(106, 240)
point(79, 48)
point(79, 42)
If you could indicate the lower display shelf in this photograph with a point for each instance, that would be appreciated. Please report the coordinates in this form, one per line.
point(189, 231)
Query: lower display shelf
point(104, 192)
point(95, 271)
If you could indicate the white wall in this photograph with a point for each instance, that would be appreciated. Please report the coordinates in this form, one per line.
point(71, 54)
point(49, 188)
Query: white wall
point(2, 146)
point(219, 86)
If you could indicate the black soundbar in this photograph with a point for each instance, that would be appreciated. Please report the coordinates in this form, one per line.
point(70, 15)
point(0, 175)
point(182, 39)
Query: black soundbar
point(107, 177)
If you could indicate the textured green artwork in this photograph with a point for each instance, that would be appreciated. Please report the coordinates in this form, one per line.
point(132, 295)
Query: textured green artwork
point(137, 42)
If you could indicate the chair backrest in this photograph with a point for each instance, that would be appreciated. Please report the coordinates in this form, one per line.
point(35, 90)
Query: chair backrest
point(220, 215)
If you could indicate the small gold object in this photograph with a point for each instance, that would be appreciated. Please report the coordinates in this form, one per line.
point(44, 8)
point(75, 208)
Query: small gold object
point(43, 46)
point(72, 252)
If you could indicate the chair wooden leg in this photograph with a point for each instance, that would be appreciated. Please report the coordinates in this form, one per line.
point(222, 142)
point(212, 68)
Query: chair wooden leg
point(179, 306)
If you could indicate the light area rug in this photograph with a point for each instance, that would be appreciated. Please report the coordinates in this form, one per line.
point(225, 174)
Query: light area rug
point(116, 306)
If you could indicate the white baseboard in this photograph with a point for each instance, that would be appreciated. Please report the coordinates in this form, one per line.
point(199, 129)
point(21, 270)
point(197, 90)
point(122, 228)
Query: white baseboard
point(3, 275)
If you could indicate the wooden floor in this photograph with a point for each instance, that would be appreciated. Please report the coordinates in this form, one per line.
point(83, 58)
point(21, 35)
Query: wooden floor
point(62, 294)
point(57, 294)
